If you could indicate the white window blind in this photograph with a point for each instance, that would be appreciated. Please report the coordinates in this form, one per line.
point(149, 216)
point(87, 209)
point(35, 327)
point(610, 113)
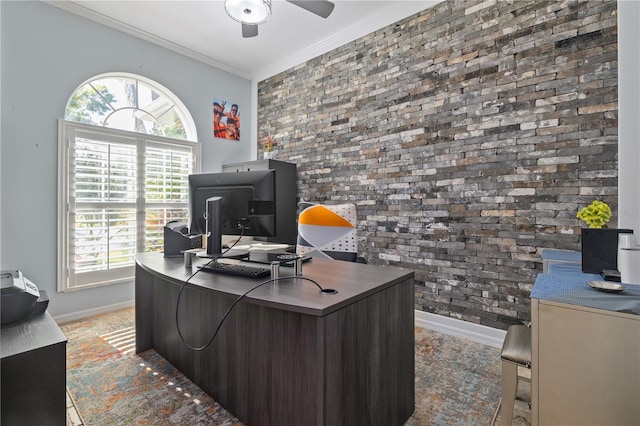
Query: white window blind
point(167, 190)
point(118, 190)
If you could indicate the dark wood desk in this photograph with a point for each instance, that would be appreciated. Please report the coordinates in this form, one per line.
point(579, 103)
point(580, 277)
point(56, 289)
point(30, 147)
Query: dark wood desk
point(288, 355)
point(34, 375)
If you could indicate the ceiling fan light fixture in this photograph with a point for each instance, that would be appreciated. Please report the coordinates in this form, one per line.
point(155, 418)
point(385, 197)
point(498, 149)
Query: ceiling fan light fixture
point(251, 12)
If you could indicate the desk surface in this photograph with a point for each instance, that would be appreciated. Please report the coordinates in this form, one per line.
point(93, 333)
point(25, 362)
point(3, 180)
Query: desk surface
point(353, 281)
point(567, 284)
point(562, 255)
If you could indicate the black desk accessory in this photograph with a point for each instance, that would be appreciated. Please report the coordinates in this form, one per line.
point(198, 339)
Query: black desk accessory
point(214, 234)
point(269, 257)
point(177, 239)
point(20, 298)
point(285, 258)
point(600, 249)
point(235, 269)
point(612, 275)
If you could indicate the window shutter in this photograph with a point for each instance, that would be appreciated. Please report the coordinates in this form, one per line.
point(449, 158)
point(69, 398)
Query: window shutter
point(102, 208)
point(121, 189)
point(167, 170)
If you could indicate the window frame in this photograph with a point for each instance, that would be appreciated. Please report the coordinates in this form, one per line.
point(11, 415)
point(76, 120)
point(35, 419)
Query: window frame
point(68, 130)
point(180, 109)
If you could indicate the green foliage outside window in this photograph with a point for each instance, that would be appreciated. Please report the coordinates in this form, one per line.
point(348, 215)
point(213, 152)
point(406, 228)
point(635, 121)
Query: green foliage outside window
point(89, 99)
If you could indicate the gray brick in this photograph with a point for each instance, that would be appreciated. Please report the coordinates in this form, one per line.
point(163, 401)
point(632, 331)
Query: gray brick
point(468, 135)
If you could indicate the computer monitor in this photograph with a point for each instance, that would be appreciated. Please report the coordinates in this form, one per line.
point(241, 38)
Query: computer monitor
point(246, 207)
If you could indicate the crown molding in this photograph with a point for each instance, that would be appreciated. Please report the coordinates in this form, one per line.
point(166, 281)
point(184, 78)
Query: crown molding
point(99, 18)
point(396, 11)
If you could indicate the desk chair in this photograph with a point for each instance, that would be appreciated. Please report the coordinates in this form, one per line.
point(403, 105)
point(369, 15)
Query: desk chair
point(516, 352)
point(328, 231)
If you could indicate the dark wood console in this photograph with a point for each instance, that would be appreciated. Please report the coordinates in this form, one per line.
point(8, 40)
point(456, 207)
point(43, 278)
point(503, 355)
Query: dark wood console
point(288, 355)
point(34, 373)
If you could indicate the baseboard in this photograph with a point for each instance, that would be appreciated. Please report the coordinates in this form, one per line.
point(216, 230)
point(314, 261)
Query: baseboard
point(478, 333)
point(454, 327)
point(61, 319)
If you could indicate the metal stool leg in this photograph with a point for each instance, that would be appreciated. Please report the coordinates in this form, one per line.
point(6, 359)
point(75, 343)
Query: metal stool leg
point(509, 389)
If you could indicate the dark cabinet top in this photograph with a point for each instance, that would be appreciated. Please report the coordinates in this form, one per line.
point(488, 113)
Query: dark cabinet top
point(27, 335)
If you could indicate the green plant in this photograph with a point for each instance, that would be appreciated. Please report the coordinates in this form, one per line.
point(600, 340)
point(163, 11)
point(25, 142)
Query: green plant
point(596, 214)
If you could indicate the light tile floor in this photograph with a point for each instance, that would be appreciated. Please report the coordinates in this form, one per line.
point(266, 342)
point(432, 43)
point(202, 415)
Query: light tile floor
point(73, 417)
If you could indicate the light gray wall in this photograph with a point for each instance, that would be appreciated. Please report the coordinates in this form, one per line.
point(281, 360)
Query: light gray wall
point(46, 54)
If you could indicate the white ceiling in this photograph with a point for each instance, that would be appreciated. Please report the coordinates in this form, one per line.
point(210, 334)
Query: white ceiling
point(203, 31)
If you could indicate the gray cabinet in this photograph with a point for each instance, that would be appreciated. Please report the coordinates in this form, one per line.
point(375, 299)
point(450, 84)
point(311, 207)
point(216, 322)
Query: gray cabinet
point(585, 366)
point(248, 166)
point(286, 190)
point(585, 351)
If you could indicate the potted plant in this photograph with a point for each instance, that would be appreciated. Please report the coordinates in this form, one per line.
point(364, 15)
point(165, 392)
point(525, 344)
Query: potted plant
point(596, 215)
point(599, 243)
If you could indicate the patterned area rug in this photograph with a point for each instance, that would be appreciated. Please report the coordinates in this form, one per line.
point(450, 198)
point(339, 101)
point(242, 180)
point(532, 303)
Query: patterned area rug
point(111, 385)
point(457, 380)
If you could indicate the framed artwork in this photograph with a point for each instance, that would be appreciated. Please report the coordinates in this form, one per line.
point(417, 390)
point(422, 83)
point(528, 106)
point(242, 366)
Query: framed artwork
point(226, 120)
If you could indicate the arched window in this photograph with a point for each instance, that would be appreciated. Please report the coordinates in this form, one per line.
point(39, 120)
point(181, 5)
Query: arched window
point(132, 103)
point(126, 148)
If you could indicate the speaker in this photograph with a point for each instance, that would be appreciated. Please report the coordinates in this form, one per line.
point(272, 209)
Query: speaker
point(600, 249)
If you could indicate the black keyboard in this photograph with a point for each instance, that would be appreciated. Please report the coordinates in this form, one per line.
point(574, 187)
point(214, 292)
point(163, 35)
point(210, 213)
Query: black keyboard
point(238, 270)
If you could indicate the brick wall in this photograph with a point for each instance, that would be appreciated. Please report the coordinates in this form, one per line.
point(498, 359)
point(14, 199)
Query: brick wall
point(468, 135)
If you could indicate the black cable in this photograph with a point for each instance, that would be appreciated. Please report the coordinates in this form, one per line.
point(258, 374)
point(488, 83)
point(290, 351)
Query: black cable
point(235, 302)
point(184, 284)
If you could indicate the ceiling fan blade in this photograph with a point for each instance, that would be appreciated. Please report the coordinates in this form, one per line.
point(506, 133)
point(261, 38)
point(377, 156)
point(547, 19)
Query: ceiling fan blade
point(249, 30)
point(321, 8)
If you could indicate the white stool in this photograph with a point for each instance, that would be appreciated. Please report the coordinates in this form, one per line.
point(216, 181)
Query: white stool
point(516, 352)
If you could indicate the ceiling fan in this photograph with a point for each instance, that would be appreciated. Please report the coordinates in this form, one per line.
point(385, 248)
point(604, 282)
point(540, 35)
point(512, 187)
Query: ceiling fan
point(251, 13)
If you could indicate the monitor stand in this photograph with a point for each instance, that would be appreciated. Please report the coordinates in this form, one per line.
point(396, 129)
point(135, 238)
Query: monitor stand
point(214, 234)
point(227, 254)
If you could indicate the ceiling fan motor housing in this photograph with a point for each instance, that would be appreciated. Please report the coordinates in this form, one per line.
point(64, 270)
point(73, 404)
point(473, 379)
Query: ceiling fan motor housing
point(252, 12)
